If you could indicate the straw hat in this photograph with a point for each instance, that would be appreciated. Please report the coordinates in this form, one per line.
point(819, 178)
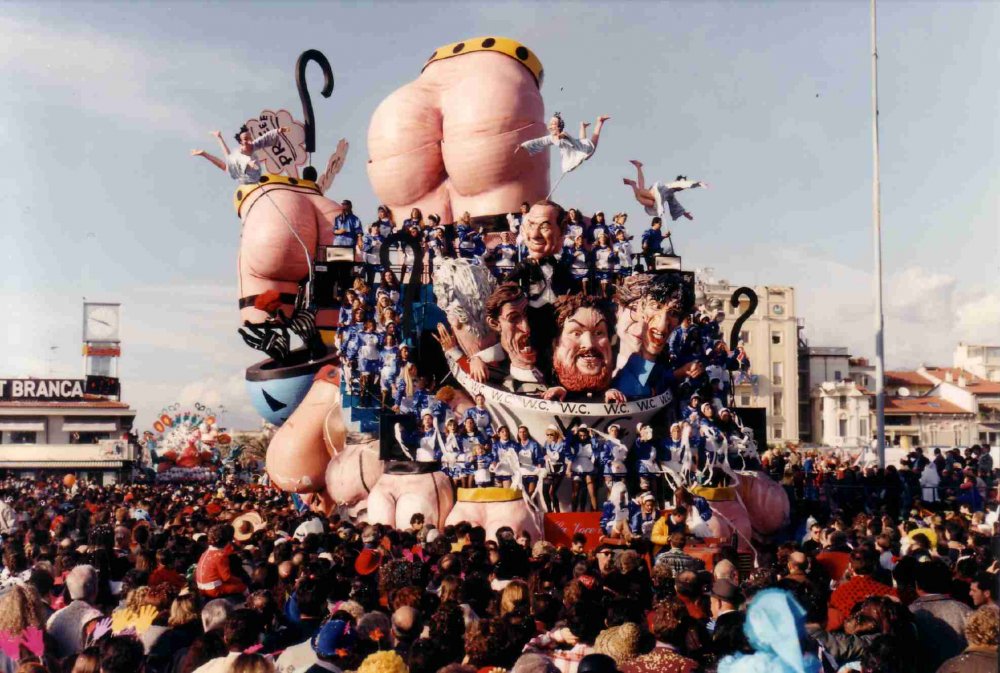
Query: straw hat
point(621, 643)
point(246, 525)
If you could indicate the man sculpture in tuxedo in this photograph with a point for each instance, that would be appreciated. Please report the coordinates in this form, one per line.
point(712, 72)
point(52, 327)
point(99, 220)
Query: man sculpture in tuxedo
point(541, 276)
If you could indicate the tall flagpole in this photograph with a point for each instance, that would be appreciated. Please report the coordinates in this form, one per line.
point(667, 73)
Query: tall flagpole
point(877, 242)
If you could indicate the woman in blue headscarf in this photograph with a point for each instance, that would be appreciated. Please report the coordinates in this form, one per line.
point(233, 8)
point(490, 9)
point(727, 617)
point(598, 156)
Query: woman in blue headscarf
point(775, 628)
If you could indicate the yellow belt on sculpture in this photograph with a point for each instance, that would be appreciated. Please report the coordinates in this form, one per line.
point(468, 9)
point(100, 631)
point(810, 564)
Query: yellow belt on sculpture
point(499, 45)
point(714, 493)
point(489, 494)
point(244, 191)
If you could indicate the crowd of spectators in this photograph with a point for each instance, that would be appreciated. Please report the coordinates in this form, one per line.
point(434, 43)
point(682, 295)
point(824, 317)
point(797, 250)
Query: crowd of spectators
point(235, 579)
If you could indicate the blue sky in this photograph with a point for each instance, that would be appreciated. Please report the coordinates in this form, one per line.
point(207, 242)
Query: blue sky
point(768, 102)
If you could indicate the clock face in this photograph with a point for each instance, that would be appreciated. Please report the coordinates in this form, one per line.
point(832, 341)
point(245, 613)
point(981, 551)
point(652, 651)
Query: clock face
point(101, 323)
point(778, 309)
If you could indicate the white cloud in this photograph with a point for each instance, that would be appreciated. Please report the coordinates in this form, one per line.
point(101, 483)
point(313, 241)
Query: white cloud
point(926, 311)
point(979, 319)
point(108, 75)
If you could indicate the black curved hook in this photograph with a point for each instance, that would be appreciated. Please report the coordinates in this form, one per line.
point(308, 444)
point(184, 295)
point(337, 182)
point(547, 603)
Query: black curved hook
point(734, 301)
point(300, 82)
point(416, 273)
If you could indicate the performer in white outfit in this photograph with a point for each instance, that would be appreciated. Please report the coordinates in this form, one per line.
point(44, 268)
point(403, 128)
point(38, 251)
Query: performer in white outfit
point(659, 198)
point(574, 151)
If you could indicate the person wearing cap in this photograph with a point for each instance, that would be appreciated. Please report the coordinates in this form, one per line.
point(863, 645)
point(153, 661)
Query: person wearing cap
point(724, 602)
point(557, 459)
point(481, 416)
point(530, 457)
point(643, 521)
point(504, 457)
point(585, 449)
point(346, 226)
point(613, 455)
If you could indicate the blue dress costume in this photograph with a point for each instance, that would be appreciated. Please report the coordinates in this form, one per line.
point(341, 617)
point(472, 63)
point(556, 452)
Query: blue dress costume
point(572, 231)
point(578, 261)
point(605, 262)
point(428, 448)
point(596, 230)
point(556, 457)
point(466, 442)
point(500, 445)
point(612, 512)
point(612, 460)
point(369, 344)
point(470, 243)
point(652, 240)
point(531, 457)
point(480, 467)
point(505, 258)
point(351, 342)
point(390, 367)
point(452, 457)
point(642, 524)
point(482, 419)
point(623, 249)
point(371, 246)
point(646, 456)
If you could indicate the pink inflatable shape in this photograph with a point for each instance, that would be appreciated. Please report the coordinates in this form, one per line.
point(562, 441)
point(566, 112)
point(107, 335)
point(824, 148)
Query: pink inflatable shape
point(445, 142)
point(397, 497)
point(766, 502)
point(494, 515)
point(728, 516)
point(300, 450)
point(281, 224)
point(353, 472)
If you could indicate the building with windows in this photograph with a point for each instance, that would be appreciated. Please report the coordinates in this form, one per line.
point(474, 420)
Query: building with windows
point(770, 337)
point(841, 414)
point(980, 361)
point(927, 421)
point(52, 426)
point(72, 426)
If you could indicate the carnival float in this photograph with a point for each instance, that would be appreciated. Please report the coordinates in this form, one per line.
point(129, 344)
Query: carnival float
point(469, 140)
point(184, 444)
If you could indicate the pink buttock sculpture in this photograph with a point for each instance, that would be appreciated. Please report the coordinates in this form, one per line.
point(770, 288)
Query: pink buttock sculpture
point(493, 508)
point(766, 502)
point(445, 142)
point(728, 516)
point(276, 215)
point(398, 496)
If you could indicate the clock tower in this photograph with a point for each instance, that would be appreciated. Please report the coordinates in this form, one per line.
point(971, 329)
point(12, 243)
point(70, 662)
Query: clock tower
point(101, 347)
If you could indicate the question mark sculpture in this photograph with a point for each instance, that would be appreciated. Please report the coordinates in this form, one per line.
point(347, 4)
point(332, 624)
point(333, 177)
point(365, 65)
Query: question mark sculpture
point(314, 55)
point(734, 301)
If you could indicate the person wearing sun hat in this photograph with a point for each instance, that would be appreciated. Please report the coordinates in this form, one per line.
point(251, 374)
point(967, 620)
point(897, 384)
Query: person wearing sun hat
point(246, 524)
point(621, 643)
point(368, 562)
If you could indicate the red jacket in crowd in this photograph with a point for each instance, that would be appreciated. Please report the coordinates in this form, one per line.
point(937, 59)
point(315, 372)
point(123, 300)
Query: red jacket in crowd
point(213, 575)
